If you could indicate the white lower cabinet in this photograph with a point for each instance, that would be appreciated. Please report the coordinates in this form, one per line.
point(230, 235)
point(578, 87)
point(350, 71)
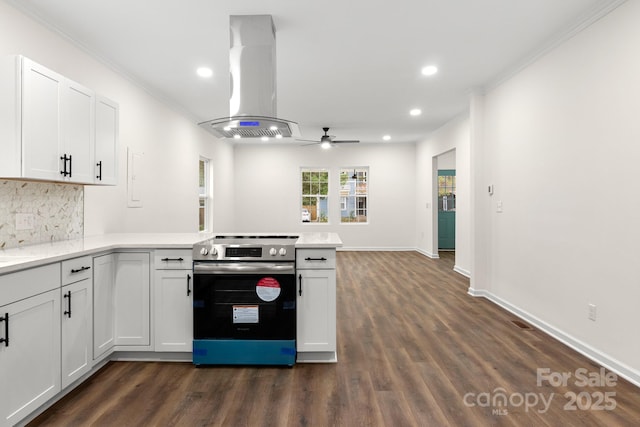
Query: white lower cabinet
point(30, 360)
point(173, 310)
point(132, 299)
point(316, 306)
point(121, 303)
point(76, 323)
point(103, 311)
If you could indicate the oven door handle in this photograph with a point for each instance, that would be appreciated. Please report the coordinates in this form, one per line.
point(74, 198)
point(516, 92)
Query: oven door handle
point(243, 268)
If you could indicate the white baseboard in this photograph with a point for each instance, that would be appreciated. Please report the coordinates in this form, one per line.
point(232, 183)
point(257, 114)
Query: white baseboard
point(374, 249)
point(630, 374)
point(427, 254)
point(462, 271)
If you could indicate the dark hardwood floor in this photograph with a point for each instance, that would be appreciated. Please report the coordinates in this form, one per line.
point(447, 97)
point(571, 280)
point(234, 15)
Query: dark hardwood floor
point(413, 350)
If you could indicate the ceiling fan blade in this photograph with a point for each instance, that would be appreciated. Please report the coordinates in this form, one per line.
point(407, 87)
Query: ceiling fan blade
point(307, 140)
point(312, 143)
point(345, 141)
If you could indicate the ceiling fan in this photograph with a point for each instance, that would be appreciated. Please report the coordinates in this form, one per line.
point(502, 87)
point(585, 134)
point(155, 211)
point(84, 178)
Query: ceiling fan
point(326, 140)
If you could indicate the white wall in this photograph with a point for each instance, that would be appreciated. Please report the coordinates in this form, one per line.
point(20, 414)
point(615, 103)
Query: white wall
point(563, 153)
point(171, 143)
point(453, 136)
point(267, 186)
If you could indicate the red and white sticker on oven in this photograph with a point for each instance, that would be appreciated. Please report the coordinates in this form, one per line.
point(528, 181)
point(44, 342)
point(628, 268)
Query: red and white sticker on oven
point(268, 289)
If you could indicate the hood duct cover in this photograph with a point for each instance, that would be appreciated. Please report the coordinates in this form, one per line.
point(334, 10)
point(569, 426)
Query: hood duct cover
point(252, 64)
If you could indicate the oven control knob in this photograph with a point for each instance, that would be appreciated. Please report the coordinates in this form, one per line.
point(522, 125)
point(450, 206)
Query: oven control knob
point(273, 251)
point(283, 252)
point(204, 251)
point(214, 251)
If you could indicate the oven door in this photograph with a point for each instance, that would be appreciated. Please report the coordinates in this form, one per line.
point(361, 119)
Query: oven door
point(244, 301)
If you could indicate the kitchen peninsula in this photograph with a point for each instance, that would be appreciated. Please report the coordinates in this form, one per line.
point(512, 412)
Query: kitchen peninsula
point(69, 307)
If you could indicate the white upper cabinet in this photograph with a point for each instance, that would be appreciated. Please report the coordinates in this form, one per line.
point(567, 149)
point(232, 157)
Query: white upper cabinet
point(42, 91)
point(106, 155)
point(52, 127)
point(78, 130)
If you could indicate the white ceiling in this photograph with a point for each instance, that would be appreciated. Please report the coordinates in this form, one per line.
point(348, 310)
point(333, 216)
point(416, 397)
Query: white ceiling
point(351, 65)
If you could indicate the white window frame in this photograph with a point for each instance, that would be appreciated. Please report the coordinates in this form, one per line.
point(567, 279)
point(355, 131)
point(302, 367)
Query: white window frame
point(327, 196)
point(205, 194)
point(356, 196)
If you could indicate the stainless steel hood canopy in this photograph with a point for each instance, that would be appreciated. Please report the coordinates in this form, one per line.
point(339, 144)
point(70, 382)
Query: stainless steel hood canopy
point(252, 63)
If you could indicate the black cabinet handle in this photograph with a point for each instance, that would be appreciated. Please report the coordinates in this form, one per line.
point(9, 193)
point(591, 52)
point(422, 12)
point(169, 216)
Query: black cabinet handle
point(5, 319)
point(64, 172)
point(300, 286)
point(70, 165)
point(79, 269)
point(315, 259)
point(188, 282)
point(99, 165)
point(172, 259)
point(68, 312)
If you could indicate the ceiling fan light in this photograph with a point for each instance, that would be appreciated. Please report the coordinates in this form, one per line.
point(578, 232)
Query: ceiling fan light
point(326, 145)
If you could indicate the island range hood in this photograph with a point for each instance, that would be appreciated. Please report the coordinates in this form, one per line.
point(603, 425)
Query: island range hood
point(252, 64)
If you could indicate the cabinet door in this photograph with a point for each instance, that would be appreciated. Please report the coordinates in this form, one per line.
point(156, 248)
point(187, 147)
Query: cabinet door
point(132, 299)
point(103, 300)
point(41, 123)
point(76, 331)
point(30, 363)
point(107, 135)
point(316, 311)
point(78, 132)
point(174, 308)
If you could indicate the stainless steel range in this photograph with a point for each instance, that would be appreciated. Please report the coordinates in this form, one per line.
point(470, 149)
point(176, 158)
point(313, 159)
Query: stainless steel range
point(244, 300)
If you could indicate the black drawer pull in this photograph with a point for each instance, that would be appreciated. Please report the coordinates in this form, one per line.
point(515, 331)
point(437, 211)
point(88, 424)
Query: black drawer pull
point(99, 165)
point(188, 286)
point(5, 319)
point(79, 269)
point(315, 259)
point(300, 286)
point(172, 259)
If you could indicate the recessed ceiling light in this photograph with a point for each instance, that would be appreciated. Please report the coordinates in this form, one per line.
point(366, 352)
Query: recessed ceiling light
point(205, 72)
point(236, 136)
point(273, 128)
point(386, 137)
point(429, 70)
point(226, 128)
point(278, 136)
point(415, 112)
point(264, 138)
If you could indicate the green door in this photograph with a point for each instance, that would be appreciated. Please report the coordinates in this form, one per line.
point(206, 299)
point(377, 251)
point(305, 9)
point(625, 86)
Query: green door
point(447, 209)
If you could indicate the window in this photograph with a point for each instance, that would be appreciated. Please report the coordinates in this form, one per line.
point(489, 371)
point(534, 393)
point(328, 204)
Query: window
point(315, 195)
point(204, 196)
point(447, 190)
point(354, 195)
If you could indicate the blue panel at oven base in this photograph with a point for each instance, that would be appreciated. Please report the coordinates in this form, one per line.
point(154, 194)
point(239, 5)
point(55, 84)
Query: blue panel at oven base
point(244, 352)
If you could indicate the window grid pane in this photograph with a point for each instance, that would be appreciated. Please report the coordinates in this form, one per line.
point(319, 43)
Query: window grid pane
point(315, 195)
point(354, 193)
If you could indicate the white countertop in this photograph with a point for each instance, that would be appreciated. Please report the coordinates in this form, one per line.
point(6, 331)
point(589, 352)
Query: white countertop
point(15, 259)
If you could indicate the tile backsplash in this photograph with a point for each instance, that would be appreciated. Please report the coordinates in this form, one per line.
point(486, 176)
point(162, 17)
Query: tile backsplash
point(45, 211)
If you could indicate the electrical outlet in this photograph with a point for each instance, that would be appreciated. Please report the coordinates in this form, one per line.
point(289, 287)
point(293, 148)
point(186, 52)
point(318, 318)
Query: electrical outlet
point(592, 312)
point(25, 221)
point(499, 206)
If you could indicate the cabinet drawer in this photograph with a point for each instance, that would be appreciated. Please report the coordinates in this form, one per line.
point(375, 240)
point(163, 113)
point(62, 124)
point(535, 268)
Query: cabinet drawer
point(173, 259)
point(316, 258)
point(77, 269)
point(27, 283)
